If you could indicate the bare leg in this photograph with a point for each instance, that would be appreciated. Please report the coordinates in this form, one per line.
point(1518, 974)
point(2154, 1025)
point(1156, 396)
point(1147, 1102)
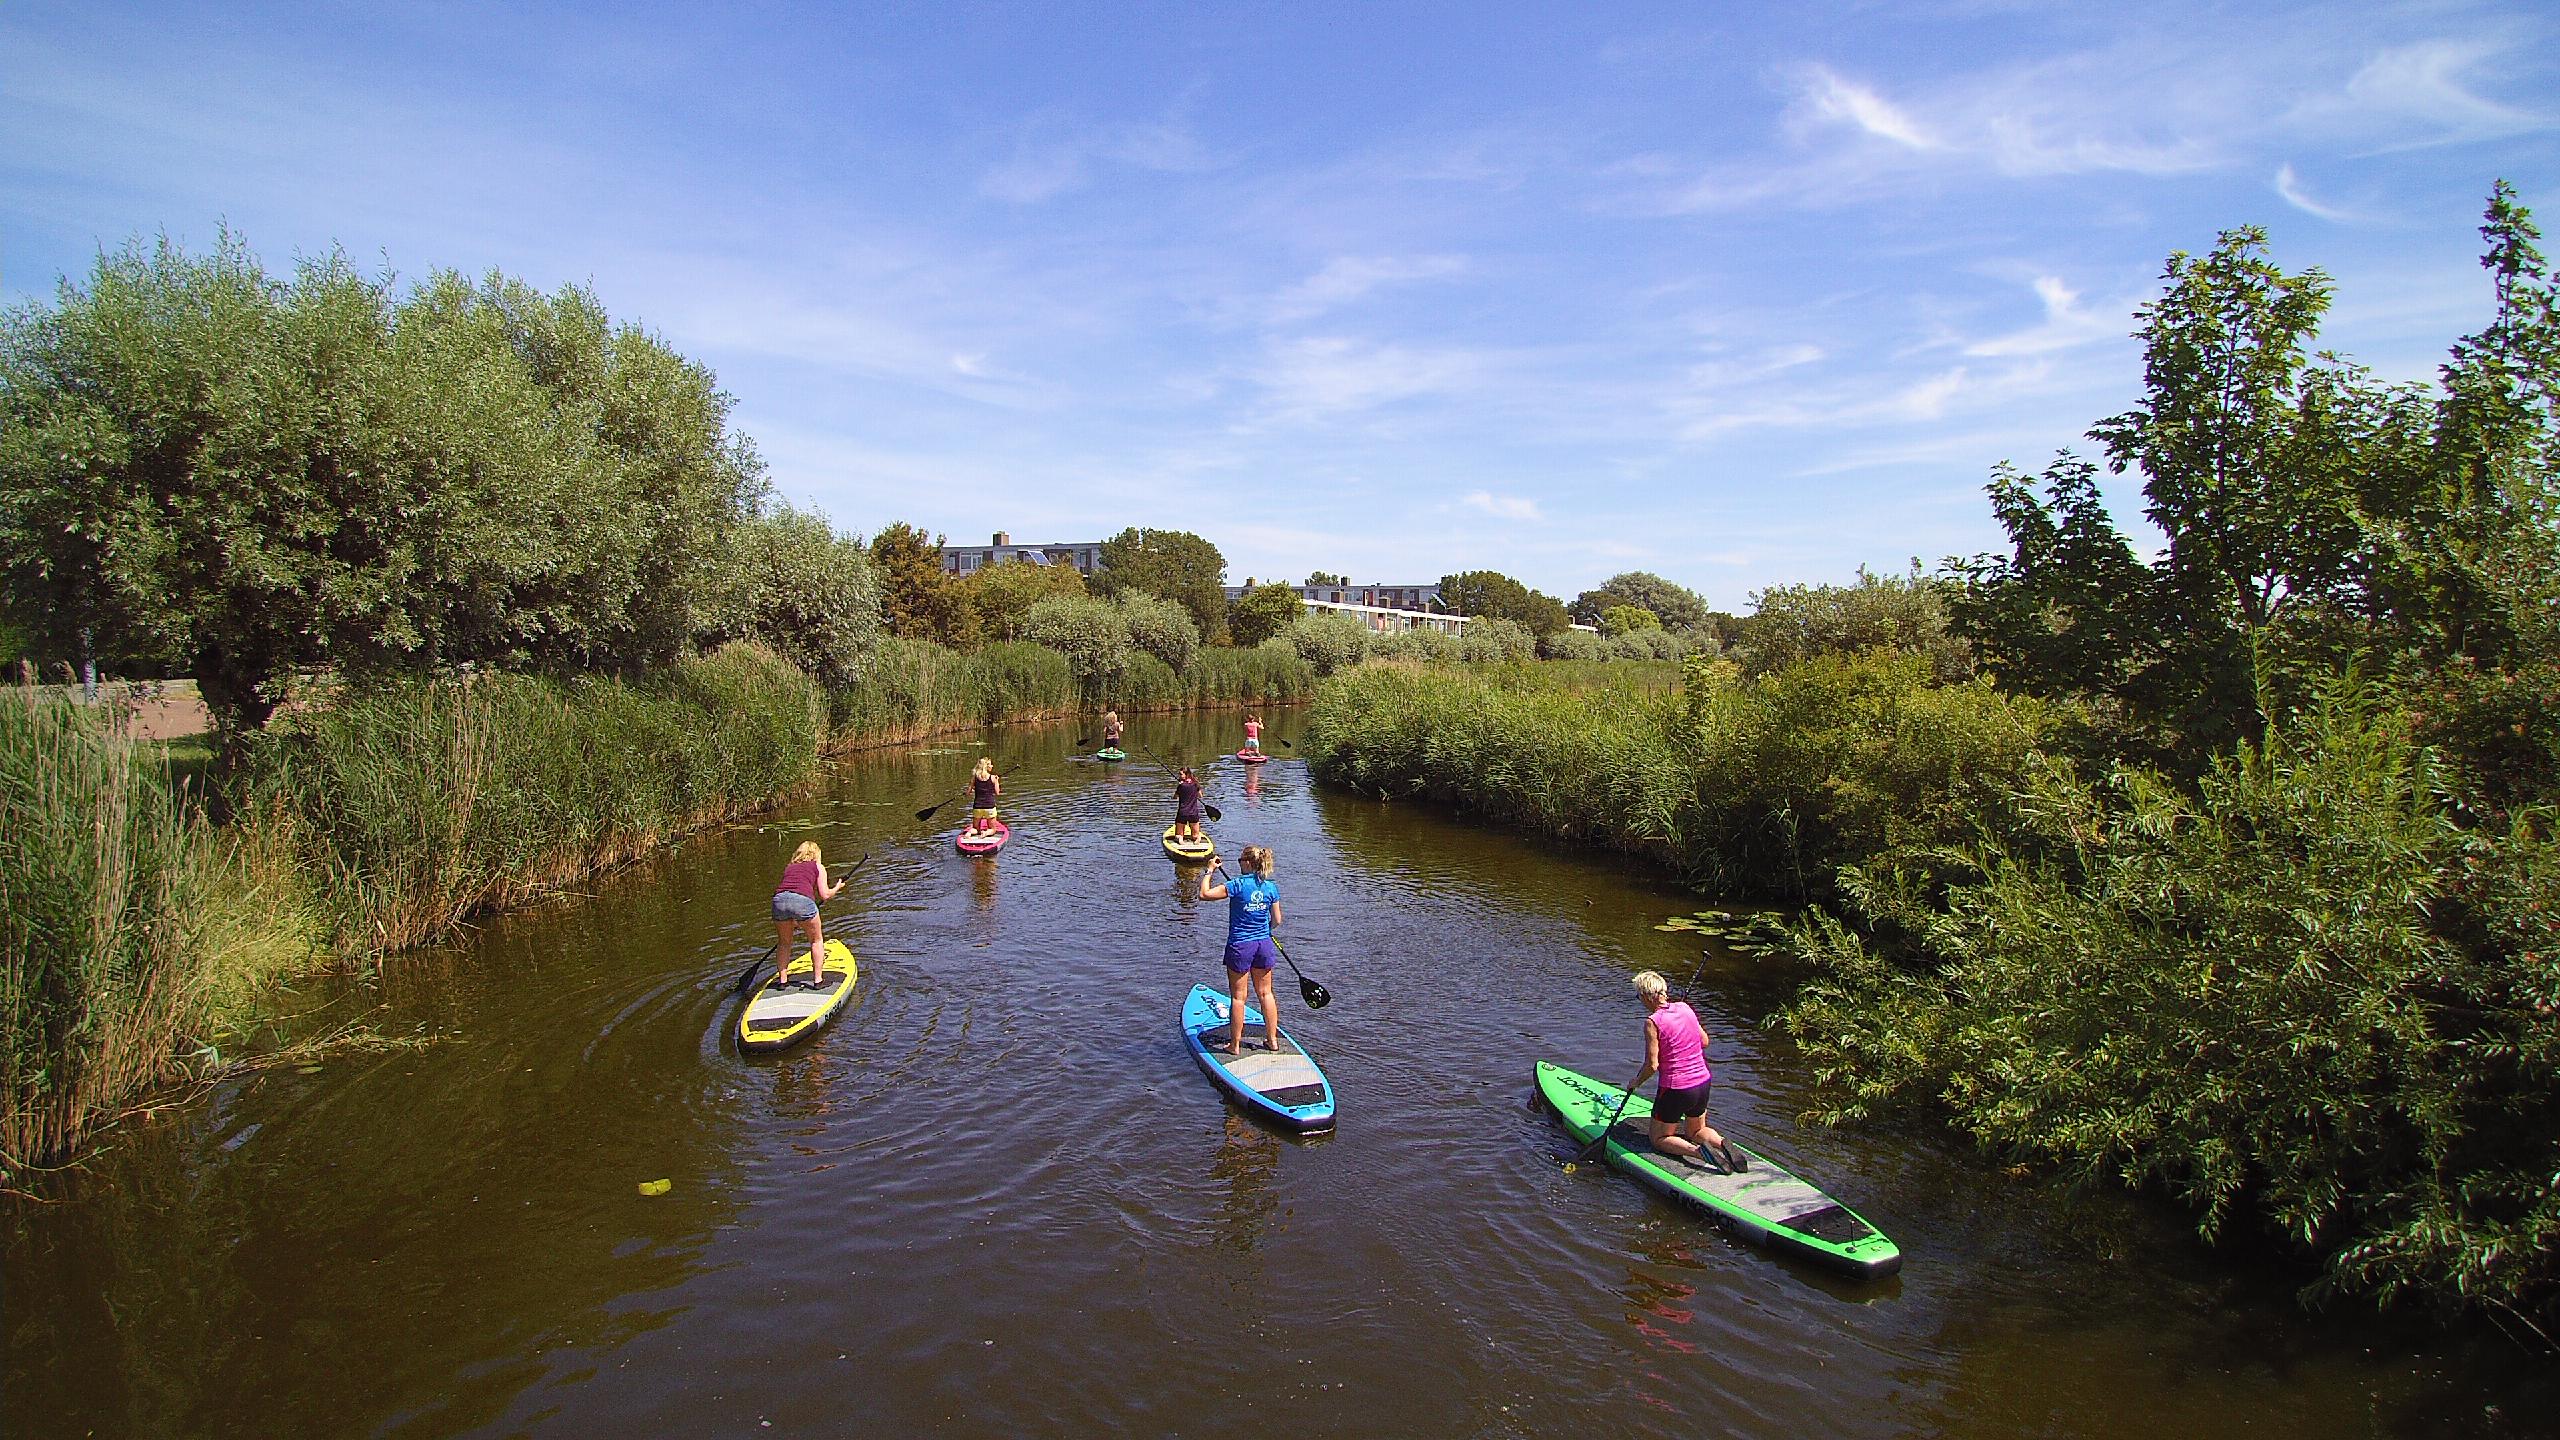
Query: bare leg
point(817, 951)
point(1236, 987)
point(1669, 1143)
point(1270, 1008)
point(784, 932)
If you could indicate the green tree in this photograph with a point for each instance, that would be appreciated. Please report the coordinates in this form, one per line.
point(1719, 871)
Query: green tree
point(803, 591)
point(1619, 619)
point(1490, 592)
point(252, 477)
point(1263, 611)
point(1905, 613)
point(1160, 628)
point(1002, 595)
point(1491, 639)
point(919, 600)
point(1092, 633)
point(1174, 564)
point(1327, 577)
point(1330, 640)
point(1677, 608)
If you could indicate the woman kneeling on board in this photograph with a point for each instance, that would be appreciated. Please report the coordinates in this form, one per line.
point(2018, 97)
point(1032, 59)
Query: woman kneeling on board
point(984, 786)
point(1676, 1044)
point(1253, 909)
point(795, 909)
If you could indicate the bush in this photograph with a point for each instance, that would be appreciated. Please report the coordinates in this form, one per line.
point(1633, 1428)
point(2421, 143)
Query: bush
point(1160, 628)
point(1092, 634)
point(1491, 639)
point(1330, 641)
point(2299, 995)
point(1576, 645)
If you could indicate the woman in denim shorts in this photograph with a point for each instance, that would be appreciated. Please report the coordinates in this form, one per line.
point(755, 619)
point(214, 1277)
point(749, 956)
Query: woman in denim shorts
point(795, 911)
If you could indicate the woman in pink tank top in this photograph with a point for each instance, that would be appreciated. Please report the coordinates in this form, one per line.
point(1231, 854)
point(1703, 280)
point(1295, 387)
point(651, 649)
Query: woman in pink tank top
point(1675, 1044)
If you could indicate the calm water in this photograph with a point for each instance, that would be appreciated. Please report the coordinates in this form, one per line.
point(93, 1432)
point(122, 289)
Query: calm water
point(998, 1198)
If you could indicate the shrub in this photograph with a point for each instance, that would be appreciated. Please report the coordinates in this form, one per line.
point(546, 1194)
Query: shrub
point(1160, 628)
point(1092, 634)
point(1492, 639)
point(1330, 641)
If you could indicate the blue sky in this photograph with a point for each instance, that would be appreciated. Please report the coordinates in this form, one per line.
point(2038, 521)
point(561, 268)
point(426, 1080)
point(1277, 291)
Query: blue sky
point(1741, 294)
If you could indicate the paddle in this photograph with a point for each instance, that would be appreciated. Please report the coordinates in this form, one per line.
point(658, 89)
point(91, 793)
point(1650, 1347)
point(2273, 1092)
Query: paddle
point(1584, 1157)
point(758, 963)
point(1316, 996)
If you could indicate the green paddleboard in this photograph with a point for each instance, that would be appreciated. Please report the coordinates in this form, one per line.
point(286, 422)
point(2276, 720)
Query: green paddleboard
point(1765, 1204)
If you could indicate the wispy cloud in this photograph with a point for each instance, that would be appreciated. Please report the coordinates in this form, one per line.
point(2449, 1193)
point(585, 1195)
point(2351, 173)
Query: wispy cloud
point(2426, 85)
point(1330, 374)
point(1048, 164)
point(2067, 323)
point(2289, 185)
point(1502, 507)
point(1831, 97)
point(1349, 277)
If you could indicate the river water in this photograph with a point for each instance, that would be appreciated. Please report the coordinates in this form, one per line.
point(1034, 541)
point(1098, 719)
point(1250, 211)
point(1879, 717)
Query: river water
point(998, 1198)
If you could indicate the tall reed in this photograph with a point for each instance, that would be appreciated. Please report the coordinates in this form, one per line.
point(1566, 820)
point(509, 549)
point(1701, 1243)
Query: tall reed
point(102, 871)
point(421, 801)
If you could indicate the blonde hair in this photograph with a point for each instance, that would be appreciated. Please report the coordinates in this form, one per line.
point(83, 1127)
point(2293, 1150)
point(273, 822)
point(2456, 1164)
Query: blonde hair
point(808, 851)
point(1651, 985)
point(1257, 860)
point(984, 768)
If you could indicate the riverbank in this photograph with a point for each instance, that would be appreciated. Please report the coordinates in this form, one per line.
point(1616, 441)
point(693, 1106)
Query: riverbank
point(2299, 996)
point(146, 943)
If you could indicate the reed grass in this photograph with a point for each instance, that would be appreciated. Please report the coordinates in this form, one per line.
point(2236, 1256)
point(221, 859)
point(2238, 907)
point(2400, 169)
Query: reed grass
point(103, 871)
point(418, 802)
point(1745, 788)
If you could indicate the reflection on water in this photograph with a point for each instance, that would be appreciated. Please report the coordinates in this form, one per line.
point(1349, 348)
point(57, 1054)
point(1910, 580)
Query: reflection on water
point(997, 1196)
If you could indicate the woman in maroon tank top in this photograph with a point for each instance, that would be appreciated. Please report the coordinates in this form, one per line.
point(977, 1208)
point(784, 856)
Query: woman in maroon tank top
point(802, 889)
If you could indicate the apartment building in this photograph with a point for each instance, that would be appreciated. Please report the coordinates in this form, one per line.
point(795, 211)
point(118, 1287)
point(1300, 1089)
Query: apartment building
point(1084, 555)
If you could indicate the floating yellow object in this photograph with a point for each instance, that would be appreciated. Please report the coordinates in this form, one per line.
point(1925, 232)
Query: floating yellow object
point(656, 1187)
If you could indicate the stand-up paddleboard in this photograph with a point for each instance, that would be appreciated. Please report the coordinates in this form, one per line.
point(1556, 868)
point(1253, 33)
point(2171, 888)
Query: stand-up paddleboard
point(1283, 1086)
point(1764, 1204)
point(1110, 752)
point(1189, 852)
point(983, 844)
point(786, 1008)
point(1251, 757)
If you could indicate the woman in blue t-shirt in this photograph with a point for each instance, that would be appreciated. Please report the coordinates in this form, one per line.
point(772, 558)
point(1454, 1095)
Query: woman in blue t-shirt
point(1253, 913)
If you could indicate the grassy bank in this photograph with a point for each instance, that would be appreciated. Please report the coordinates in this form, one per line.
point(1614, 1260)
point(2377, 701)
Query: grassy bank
point(910, 689)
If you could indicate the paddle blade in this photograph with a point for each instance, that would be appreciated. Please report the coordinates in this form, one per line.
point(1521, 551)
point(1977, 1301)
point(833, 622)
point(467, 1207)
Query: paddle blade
point(927, 812)
point(1316, 996)
point(746, 975)
point(1212, 811)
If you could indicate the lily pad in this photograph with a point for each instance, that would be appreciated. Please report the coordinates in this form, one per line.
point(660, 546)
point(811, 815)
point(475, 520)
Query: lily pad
point(656, 1187)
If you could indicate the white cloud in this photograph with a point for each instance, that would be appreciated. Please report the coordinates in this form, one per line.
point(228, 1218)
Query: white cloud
point(1324, 374)
point(1833, 98)
point(2067, 323)
point(1502, 507)
point(2424, 83)
point(1044, 167)
point(1349, 277)
point(2289, 186)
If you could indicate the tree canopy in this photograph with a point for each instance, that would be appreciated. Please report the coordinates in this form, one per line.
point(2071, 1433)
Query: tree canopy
point(1677, 608)
point(1002, 595)
point(1174, 564)
point(248, 476)
point(919, 600)
point(1262, 612)
point(1490, 592)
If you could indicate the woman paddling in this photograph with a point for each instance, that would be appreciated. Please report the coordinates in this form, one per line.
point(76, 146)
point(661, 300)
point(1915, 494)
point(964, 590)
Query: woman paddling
point(1252, 734)
point(795, 911)
point(1186, 807)
point(984, 787)
point(1676, 1045)
point(1110, 729)
point(1253, 912)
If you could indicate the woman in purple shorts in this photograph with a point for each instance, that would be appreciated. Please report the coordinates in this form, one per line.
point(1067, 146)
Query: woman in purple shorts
point(1253, 912)
point(1676, 1045)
